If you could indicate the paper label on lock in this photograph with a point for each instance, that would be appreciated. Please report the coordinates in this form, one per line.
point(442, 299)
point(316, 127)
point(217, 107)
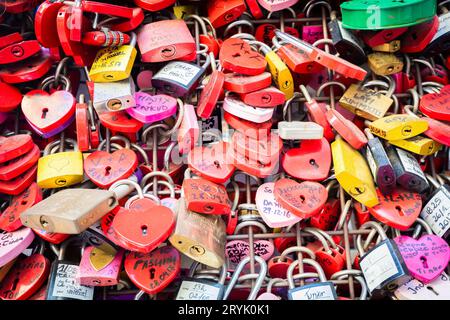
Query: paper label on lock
point(182, 73)
point(438, 289)
point(378, 266)
point(444, 26)
point(208, 124)
point(371, 162)
point(317, 291)
point(410, 163)
point(66, 285)
point(437, 212)
point(195, 290)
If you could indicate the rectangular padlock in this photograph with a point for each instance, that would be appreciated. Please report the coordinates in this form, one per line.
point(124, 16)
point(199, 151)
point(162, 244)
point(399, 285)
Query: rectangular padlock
point(114, 96)
point(299, 130)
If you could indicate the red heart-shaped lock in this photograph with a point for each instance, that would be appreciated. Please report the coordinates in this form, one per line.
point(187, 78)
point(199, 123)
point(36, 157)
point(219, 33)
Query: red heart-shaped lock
point(10, 219)
point(48, 111)
point(248, 128)
point(236, 55)
point(55, 238)
point(153, 271)
point(206, 197)
point(437, 131)
point(210, 94)
point(19, 183)
point(25, 278)
point(328, 216)
point(304, 199)
point(211, 162)
point(14, 146)
point(144, 230)
point(17, 166)
point(10, 97)
point(120, 121)
point(331, 261)
point(105, 168)
point(436, 105)
point(399, 209)
point(347, 129)
point(310, 161)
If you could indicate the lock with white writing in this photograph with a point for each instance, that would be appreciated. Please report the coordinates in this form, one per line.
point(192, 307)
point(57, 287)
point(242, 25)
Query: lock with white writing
point(114, 63)
point(382, 266)
point(177, 78)
point(196, 288)
point(62, 283)
point(321, 290)
point(61, 169)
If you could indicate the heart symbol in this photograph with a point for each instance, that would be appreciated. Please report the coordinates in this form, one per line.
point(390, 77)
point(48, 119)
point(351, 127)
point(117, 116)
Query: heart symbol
point(237, 250)
point(105, 168)
point(236, 55)
point(13, 243)
point(436, 105)
point(153, 271)
point(48, 111)
point(399, 209)
point(25, 278)
point(150, 108)
point(310, 161)
point(210, 162)
point(304, 199)
point(14, 146)
point(426, 258)
point(58, 163)
point(143, 230)
point(273, 214)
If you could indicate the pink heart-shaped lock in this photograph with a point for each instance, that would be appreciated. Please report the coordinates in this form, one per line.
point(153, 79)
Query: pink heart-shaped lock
point(273, 214)
point(150, 108)
point(426, 258)
point(237, 250)
point(13, 243)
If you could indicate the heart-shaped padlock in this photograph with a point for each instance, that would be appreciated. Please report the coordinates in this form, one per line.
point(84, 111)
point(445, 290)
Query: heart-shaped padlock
point(153, 271)
point(426, 258)
point(236, 55)
point(14, 146)
point(150, 108)
point(105, 168)
point(399, 209)
point(120, 121)
point(206, 197)
point(236, 250)
point(10, 97)
point(19, 165)
point(304, 199)
point(13, 243)
point(436, 105)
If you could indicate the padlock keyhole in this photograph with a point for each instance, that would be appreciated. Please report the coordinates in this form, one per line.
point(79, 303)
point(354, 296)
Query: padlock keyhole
point(144, 230)
point(23, 202)
point(432, 290)
point(424, 262)
point(44, 113)
point(236, 55)
point(217, 164)
point(108, 171)
point(400, 211)
point(313, 163)
point(152, 273)
point(302, 198)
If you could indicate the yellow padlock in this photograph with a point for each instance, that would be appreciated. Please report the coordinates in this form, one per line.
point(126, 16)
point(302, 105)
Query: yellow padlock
point(62, 169)
point(398, 127)
point(418, 145)
point(383, 63)
point(281, 75)
point(182, 12)
point(353, 173)
point(114, 63)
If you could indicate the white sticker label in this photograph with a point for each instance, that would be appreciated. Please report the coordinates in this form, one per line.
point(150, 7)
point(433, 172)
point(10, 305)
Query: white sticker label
point(192, 290)
point(66, 285)
point(437, 212)
point(371, 162)
point(208, 124)
point(378, 266)
point(410, 163)
point(182, 73)
point(444, 25)
point(319, 291)
point(438, 289)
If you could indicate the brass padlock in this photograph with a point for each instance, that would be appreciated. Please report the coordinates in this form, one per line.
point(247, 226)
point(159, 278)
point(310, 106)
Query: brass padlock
point(392, 46)
point(367, 103)
point(69, 211)
point(114, 63)
point(383, 64)
point(62, 169)
point(114, 96)
point(200, 237)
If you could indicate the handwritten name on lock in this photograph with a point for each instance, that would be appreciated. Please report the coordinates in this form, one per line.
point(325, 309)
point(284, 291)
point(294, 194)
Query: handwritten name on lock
point(237, 250)
point(312, 199)
point(107, 61)
point(206, 191)
point(364, 101)
point(401, 197)
point(157, 103)
point(66, 285)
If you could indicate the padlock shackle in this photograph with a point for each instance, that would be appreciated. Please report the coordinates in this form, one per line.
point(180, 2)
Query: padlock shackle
point(314, 232)
point(138, 148)
point(238, 23)
point(136, 197)
point(127, 182)
point(237, 272)
point(223, 271)
point(296, 249)
point(199, 20)
point(253, 223)
point(312, 263)
point(160, 182)
point(311, 4)
point(236, 196)
point(152, 174)
point(344, 213)
point(177, 124)
point(426, 64)
point(329, 84)
point(287, 104)
point(168, 153)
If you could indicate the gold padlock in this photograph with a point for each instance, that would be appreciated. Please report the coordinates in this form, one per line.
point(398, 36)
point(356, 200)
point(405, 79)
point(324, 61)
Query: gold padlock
point(353, 173)
point(62, 169)
point(367, 103)
point(383, 64)
point(200, 237)
point(182, 12)
point(398, 127)
point(392, 46)
point(114, 63)
point(418, 145)
point(69, 211)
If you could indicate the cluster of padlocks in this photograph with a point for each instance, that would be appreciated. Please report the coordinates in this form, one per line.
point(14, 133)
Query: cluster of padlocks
point(224, 150)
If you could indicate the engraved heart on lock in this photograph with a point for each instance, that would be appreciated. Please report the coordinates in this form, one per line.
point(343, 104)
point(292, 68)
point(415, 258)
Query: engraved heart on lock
point(304, 199)
point(399, 209)
point(237, 250)
point(105, 168)
point(150, 108)
point(426, 258)
point(153, 271)
point(58, 164)
point(46, 111)
point(273, 214)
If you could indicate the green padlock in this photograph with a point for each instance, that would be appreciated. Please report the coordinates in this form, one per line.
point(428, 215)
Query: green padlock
point(386, 14)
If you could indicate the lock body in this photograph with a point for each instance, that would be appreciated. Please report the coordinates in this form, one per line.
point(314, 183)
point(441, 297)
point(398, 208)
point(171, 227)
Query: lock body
point(60, 170)
point(436, 212)
point(200, 289)
point(316, 291)
point(380, 166)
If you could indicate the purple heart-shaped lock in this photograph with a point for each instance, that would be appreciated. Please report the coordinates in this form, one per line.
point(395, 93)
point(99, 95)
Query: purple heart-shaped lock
point(426, 258)
point(150, 108)
point(13, 243)
point(237, 250)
